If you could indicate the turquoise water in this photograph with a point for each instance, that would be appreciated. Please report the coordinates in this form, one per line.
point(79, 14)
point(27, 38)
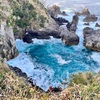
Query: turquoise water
point(50, 62)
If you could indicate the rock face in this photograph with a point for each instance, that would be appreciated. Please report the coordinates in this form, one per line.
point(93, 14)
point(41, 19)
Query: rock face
point(7, 42)
point(92, 39)
point(90, 18)
point(68, 37)
point(40, 35)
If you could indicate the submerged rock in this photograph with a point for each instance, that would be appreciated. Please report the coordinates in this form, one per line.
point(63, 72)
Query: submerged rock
point(90, 18)
point(92, 39)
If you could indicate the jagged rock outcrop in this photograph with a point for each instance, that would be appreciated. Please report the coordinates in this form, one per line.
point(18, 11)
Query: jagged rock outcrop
point(68, 37)
point(73, 25)
point(85, 11)
point(90, 18)
point(92, 39)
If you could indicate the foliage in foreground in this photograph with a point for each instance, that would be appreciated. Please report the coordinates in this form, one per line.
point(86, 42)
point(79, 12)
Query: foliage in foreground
point(83, 86)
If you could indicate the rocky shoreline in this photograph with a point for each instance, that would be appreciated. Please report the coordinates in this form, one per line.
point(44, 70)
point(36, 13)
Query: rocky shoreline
point(68, 33)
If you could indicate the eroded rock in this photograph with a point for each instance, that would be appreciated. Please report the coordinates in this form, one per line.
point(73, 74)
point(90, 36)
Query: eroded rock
point(92, 39)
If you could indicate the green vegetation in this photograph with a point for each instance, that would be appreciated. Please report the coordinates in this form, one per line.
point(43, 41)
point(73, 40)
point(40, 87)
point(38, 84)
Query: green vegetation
point(22, 15)
point(26, 15)
point(84, 86)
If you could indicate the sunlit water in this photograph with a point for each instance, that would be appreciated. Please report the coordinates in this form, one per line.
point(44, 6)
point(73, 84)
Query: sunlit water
point(50, 62)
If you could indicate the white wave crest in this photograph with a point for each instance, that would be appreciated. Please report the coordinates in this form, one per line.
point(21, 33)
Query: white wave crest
point(60, 60)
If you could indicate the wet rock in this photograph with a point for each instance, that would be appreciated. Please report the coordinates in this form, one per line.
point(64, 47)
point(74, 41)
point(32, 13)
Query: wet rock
point(27, 38)
point(18, 72)
point(90, 18)
point(44, 34)
point(73, 25)
point(60, 20)
point(97, 25)
point(63, 13)
point(69, 37)
point(86, 24)
point(92, 39)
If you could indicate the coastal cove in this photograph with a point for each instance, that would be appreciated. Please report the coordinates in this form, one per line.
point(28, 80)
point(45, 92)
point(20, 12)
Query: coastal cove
point(51, 63)
point(49, 50)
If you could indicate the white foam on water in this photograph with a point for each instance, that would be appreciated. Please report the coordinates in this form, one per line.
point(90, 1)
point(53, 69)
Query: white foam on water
point(40, 73)
point(43, 75)
point(23, 46)
point(96, 57)
point(60, 60)
point(43, 41)
point(23, 62)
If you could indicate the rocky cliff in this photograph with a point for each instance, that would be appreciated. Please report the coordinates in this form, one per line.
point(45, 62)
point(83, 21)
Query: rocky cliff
point(17, 17)
point(7, 40)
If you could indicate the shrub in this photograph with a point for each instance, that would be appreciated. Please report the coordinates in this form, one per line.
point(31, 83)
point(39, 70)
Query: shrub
point(25, 14)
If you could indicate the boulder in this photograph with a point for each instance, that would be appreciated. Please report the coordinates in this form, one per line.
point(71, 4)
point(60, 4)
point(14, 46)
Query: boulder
point(85, 11)
point(90, 18)
point(92, 39)
point(69, 37)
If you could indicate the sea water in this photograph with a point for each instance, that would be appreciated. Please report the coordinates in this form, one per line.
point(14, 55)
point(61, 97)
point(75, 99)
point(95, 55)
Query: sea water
point(51, 63)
